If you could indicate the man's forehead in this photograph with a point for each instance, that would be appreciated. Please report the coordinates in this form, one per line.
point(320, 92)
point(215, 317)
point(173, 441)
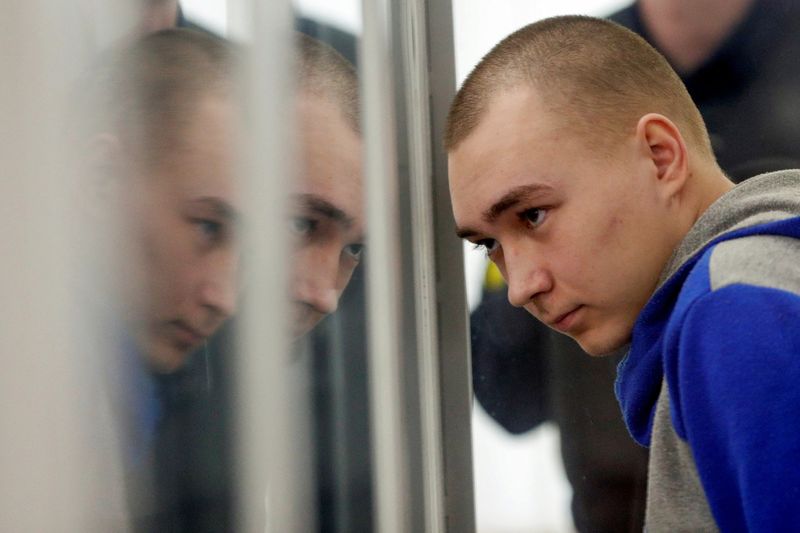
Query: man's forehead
point(505, 159)
point(507, 121)
point(513, 106)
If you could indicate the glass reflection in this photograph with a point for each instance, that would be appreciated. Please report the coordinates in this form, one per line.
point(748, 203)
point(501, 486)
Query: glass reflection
point(336, 348)
point(330, 192)
point(163, 159)
point(327, 208)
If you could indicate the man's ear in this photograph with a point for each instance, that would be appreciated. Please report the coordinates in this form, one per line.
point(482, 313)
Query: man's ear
point(660, 141)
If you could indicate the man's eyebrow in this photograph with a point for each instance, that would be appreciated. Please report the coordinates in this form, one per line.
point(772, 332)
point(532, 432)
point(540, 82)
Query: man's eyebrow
point(465, 233)
point(220, 207)
point(510, 199)
point(325, 208)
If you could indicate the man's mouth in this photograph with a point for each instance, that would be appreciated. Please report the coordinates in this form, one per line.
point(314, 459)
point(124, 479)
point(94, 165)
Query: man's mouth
point(186, 335)
point(565, 321)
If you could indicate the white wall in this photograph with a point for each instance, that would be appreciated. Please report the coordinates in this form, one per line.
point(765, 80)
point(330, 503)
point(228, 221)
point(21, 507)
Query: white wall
point(480, 24)
point(212, 14)
point(345, 14)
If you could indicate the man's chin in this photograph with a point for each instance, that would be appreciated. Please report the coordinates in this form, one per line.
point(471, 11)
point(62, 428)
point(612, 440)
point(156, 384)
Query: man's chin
point(167, 359)
point(599, 346)
point(304, 325)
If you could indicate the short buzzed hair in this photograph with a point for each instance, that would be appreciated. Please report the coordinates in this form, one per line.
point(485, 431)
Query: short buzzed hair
point(148, 91)
point(594, 73)
point(322, 71)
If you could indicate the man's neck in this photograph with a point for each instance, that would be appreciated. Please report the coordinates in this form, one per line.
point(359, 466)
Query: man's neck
point(709, 188)
point(688, 32)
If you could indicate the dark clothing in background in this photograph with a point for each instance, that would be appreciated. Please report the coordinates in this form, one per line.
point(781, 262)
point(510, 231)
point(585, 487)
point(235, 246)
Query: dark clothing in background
point(747, 90)
point(191, 482)
point(524, 374)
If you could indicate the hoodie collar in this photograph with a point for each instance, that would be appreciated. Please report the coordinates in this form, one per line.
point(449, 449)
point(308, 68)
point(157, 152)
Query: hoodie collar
point(749, 208)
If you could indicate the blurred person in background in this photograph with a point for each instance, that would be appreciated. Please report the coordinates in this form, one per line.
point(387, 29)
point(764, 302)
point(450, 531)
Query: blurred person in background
point(737, 59)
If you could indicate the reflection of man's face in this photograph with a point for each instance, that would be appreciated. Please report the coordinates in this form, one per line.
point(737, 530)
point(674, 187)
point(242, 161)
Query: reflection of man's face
point(183, 260)
point(327, 210)
point(577, 233)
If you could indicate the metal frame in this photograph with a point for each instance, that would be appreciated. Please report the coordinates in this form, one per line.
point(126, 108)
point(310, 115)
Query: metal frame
point(412, 68)
point(269, 475)
point(453, 327)
point(55, 476)
point(419, 365)
point(384, 287)
point(416, 146)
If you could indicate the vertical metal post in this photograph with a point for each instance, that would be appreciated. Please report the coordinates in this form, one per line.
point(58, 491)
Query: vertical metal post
point(428, 362)
point(426, 62)
point(390, 473)
point(453, 333)
point(421, 333)
point(269, 482)
point(52, 480)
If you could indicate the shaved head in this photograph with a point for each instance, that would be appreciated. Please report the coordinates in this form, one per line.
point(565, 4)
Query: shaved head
point(598, 76)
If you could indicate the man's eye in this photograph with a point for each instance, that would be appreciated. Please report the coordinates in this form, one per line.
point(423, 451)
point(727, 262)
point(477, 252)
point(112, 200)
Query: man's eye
point(211, 229)
point(302, 225)
point(488, 245)
point(354, 251)
point(534, 216)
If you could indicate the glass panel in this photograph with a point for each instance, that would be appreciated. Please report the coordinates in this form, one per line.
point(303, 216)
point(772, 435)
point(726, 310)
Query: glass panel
point(54, 479)
point(191, 174)
point(330, 276)
point(164, 160)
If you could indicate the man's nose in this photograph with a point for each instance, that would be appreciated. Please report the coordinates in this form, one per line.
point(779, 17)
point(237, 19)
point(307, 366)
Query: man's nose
point(316, 277)
point(219, 293)
point(526, 279)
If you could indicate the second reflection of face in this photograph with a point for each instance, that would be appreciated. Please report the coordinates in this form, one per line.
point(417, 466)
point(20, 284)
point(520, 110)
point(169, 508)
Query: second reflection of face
point(183, 211)
point(326, 210)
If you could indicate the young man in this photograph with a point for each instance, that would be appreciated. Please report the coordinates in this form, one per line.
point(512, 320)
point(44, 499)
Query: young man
point(738, 66)
point(582, 166)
